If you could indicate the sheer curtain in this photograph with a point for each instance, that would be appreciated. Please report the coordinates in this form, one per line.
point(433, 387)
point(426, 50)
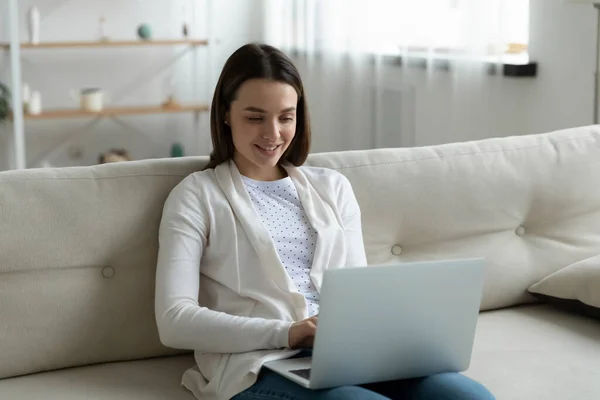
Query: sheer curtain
point(361, 60)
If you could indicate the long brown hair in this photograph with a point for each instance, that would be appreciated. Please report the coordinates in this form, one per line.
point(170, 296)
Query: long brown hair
point(256, 61)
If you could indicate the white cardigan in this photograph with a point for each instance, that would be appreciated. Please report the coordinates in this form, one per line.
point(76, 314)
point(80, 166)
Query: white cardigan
point(221, 289)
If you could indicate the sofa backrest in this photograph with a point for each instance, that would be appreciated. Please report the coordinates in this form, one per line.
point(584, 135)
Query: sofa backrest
point(78, 245)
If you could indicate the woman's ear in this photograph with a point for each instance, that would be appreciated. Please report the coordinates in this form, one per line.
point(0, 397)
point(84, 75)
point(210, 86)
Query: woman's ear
point(226, 118)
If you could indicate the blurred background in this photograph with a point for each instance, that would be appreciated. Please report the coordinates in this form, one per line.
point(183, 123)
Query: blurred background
point(96, 76)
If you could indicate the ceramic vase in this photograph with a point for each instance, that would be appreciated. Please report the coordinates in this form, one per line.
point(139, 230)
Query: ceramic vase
point(34, 25)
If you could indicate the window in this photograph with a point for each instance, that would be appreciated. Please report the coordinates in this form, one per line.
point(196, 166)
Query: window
point(490, 29)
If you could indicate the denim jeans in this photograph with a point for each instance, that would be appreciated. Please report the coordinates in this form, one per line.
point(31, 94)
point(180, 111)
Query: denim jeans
point(447, 386)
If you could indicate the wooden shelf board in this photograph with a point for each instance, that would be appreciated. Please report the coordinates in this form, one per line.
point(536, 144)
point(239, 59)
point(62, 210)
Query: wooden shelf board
point(116, 111)
point(112, 43)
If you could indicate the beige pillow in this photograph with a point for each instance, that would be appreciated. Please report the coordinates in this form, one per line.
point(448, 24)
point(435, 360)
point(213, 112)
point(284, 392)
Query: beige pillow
point(576, 287)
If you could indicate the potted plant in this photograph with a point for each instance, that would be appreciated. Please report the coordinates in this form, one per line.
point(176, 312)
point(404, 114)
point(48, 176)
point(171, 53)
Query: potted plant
point(4, 102)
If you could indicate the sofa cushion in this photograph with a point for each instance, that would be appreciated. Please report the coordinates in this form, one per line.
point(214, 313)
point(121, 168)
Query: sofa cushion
point(151, 379)
point(530, 352)
point(537, 352)
point(78, 251)
point(575, 288)
point(530, 205)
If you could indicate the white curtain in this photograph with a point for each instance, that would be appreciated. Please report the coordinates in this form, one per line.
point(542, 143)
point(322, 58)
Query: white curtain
point(362, 61)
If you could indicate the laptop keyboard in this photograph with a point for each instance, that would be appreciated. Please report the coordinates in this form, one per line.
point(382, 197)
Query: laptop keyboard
point(304, 373)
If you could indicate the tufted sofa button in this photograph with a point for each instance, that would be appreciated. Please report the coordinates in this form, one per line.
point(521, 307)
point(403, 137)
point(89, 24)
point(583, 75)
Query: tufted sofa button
point(108, 272)
point(396, 250)
point(520, 231)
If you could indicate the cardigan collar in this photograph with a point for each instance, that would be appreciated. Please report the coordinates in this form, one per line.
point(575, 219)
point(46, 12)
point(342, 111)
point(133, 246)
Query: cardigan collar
point(319, 213)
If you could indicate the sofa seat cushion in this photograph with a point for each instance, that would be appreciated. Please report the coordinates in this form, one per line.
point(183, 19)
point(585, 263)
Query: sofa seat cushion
point(150, 379)
point(528, 352)
point(537, 352)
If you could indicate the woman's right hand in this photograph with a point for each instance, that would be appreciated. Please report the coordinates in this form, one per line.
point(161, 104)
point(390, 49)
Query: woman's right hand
point(302, 333)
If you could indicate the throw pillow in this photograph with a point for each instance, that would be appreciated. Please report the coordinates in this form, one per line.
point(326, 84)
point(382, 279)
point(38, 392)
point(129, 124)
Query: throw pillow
point(575, 288)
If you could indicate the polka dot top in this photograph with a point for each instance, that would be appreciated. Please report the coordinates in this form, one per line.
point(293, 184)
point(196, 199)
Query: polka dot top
point(279, 207)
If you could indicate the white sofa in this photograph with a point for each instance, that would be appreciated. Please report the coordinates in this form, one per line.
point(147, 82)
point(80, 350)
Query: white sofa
point(78, 249)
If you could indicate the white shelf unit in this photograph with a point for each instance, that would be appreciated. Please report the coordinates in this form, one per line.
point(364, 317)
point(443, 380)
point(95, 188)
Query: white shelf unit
point(18, 118)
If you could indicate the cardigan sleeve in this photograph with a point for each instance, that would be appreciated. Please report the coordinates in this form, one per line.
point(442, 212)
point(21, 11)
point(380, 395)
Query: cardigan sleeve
point(351, 219)
point(182, 323)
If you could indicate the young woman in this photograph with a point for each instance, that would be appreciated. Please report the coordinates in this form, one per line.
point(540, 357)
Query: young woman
point(244, 244)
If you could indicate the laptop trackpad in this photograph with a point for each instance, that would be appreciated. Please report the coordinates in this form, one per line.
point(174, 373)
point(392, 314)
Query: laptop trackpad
point(296, 366)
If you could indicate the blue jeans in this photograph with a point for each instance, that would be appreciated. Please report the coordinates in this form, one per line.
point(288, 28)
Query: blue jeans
point(448, 386)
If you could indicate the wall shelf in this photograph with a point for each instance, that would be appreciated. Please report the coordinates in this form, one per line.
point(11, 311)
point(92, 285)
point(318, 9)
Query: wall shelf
point(111, 43)
point(115, 111)
point(16, 45)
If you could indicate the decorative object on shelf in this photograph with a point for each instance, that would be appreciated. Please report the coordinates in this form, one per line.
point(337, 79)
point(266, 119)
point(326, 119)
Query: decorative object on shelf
point(184, 29)
point(176, 150)
point(102, 29)
point(90, 99)
point(26, 95)
point(32, 101)
point(169, 88)
point(4, 102)
point(34, 106)
point(114, 155)
point(33, 17)
point(171, 103)
point(144, 32)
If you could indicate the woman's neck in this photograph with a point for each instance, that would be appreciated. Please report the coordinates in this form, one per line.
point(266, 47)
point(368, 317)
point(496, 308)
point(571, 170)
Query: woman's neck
point(261, 174)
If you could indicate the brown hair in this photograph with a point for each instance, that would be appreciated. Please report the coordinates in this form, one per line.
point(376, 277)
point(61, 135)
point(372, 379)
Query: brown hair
point(256, 61)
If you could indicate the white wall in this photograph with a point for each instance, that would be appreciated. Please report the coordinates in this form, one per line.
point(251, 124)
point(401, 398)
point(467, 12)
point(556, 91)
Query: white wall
point(563, 40)
point(131, 76)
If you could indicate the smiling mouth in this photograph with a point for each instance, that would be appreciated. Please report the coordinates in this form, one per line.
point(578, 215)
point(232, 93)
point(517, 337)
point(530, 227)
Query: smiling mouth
point(268, 148)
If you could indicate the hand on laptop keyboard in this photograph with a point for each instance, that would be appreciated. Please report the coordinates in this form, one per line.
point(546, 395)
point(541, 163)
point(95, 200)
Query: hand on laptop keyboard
point(302, 333)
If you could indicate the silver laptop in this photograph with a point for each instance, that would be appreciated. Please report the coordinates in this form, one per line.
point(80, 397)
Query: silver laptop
point(391, 322)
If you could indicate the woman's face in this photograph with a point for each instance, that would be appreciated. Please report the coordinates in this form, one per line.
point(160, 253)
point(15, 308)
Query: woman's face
point(262, 119)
